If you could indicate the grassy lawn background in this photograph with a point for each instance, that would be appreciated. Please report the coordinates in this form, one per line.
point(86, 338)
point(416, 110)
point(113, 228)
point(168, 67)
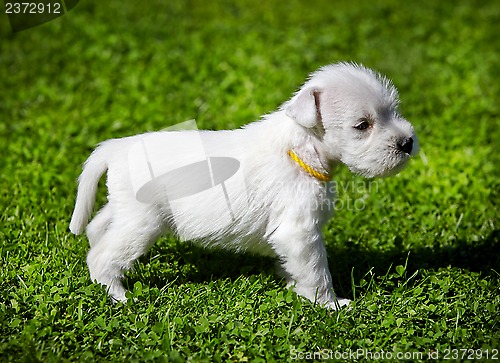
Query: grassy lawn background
point(418, 253)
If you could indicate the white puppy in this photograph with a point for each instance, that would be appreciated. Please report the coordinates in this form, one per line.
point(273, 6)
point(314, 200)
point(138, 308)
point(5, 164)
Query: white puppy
point(261, 189)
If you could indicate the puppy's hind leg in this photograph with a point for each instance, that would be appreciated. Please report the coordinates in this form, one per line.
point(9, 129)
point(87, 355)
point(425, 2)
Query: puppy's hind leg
point(120, 245)
point(99, 225)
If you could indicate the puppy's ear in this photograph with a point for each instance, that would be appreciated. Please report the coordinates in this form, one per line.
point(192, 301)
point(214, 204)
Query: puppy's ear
point(304, 108)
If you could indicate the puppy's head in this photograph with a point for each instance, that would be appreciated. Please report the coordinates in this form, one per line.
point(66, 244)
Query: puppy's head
point(353, 114)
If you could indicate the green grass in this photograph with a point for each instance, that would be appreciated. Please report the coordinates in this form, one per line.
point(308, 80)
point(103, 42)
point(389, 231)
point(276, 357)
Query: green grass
point(418, 253)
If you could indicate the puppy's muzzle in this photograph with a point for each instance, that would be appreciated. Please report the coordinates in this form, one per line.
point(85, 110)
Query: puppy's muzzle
point(406, 145)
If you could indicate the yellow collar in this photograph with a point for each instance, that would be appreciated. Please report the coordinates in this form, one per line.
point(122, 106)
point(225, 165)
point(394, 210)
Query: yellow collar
point(310, 171)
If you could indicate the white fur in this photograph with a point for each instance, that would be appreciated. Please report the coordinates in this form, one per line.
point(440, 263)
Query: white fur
point(283, 207)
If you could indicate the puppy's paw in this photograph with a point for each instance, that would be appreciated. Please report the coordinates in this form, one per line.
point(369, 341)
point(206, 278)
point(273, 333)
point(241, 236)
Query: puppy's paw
point(118, 299)
point(118, 295)
point(338, 304)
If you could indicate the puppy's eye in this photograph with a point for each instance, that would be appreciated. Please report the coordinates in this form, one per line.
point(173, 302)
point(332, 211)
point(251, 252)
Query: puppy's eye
point(363, 124)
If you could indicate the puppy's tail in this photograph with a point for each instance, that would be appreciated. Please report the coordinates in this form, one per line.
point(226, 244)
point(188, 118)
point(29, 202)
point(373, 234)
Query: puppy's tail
point(93, 169)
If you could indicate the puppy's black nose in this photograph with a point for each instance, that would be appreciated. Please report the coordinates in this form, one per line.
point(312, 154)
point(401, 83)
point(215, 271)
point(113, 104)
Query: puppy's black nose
point(406, 145)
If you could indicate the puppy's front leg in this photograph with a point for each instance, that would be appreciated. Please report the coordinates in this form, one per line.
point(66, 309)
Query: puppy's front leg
point(304, 263)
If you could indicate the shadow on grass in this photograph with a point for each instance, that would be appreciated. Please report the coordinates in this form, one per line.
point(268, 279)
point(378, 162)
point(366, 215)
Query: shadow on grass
point(481, 256)
point(181, 262)
point(184, 262)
